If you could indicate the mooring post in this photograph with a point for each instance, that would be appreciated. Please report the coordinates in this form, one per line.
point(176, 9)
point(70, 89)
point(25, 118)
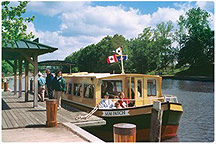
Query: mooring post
point(51, 111)
point(124, 132)
point(156, 122)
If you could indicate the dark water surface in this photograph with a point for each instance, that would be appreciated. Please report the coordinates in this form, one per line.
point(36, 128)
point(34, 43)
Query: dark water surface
point(197, 99)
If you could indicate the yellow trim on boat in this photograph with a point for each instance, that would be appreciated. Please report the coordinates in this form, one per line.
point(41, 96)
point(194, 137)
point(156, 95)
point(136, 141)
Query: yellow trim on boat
point(175, 107)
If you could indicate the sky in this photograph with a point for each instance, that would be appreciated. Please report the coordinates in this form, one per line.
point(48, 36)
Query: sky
point(72, 25)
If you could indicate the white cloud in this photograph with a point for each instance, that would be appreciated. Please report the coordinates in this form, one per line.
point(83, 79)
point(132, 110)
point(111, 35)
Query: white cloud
point(166, 14)
point(65, 45)
point(52, 8)
point(98, 21)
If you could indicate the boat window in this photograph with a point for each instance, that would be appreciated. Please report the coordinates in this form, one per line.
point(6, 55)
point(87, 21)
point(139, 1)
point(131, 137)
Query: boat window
point(77, 89)
point(139, 88)
point(112, 87)
point(151, 87)
point(89, 90)
point(70, 89)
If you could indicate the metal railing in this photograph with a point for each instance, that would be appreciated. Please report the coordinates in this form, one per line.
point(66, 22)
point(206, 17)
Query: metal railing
point(149, 100)
point(170, 98)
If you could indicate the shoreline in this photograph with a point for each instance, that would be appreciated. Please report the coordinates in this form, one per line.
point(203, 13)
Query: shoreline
point(192, 78)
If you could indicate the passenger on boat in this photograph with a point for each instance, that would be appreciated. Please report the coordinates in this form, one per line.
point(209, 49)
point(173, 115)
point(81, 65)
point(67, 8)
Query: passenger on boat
point(117, 105)
point(109, 87)
point(122, 100)
point(106, 102)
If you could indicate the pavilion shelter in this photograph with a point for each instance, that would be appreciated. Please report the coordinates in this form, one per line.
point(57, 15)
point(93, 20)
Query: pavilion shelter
point(56, 63)
point(27, 51)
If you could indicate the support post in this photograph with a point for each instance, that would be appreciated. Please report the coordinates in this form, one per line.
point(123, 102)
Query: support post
point(35, 104)
point(156, 122)
point(70, 69)
point(20, 78)
point(15, 76)
point(26, 79)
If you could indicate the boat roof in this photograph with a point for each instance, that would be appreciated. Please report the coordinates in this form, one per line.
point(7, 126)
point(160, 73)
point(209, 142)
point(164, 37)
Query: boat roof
point(103, 75)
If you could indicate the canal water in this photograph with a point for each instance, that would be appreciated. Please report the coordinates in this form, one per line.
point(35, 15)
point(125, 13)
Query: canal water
point(197, 99)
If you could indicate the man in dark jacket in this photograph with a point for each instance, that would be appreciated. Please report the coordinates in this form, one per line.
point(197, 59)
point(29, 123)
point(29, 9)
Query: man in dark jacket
point(49, 80)
point(59, 86)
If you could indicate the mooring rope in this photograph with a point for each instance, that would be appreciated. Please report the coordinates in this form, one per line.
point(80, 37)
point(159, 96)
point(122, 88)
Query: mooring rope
point(87, 115)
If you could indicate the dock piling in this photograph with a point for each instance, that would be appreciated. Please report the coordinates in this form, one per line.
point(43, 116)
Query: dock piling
point(6, 86)
point(156, 122)
point(51, 110)
point(124, 132)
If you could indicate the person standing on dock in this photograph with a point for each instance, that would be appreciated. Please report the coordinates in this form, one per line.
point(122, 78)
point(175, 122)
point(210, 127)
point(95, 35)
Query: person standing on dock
point(59, 86)
point(49, 80)
point(41, 87)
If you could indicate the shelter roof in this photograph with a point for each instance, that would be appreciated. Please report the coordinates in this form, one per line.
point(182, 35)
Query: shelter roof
point(54, 63)
point(25, 46)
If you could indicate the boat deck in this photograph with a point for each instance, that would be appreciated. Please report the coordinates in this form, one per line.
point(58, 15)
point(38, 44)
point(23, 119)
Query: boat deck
point(16, 113)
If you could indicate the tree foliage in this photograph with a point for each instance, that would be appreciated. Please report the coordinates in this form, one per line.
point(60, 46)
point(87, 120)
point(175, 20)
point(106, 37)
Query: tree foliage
point(93, 57)
point(197, 41)
point(13, 26)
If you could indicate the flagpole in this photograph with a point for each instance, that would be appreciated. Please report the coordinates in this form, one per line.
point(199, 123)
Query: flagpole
point(122, 65)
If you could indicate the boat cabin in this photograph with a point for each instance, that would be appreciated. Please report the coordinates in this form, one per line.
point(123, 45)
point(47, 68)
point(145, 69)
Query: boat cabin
point(89, 88)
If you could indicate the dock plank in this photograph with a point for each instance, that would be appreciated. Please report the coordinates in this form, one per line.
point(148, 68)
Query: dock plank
point(4, 124)
point(21, 114)
point(7, 120)
point(12, 119)
point(15, 118)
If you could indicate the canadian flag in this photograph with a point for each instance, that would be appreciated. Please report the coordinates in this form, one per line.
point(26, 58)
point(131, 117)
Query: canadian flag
point(112, 59)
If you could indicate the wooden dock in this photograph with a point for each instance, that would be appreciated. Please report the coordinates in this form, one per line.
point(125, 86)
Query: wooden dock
point(16, 113)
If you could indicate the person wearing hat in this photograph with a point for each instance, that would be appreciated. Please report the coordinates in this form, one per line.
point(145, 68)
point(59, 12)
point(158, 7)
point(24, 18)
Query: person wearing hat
point(106, 102)
point(41, 87)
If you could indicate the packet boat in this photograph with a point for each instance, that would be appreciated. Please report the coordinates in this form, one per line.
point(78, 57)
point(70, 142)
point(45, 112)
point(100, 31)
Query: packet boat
point(86, 90)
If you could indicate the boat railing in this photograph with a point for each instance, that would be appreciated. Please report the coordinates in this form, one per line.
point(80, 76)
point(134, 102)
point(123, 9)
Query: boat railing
point(149, 100)
point(170, 98)
point(128, 102)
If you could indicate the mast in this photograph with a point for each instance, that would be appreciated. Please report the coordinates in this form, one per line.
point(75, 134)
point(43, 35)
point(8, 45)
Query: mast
point(122, 64)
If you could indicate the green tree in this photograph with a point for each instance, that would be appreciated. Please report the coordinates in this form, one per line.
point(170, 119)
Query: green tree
point(197, 43)
point(93, 57)
point(13, 27)
point(152, 50)
point(141, 51)
point(6, 68)
point(164, 37)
